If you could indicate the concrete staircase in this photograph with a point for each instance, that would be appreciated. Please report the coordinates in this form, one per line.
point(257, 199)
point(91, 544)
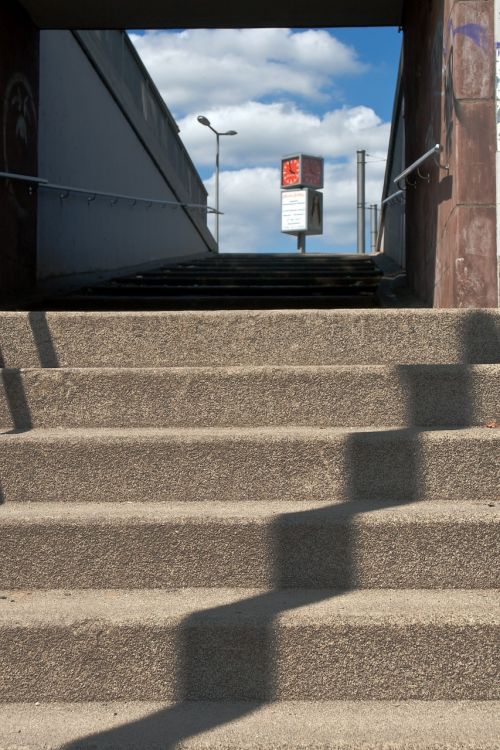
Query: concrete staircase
point(238, 281)
point(267, 529)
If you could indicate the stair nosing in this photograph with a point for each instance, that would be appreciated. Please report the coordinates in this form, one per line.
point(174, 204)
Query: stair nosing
point(295, 607)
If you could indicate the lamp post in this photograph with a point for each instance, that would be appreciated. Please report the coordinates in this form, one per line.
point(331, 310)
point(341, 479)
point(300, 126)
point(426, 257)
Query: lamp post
point(205, 121)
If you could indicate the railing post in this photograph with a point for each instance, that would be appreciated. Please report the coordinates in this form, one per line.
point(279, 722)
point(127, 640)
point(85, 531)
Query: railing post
point(374, 226)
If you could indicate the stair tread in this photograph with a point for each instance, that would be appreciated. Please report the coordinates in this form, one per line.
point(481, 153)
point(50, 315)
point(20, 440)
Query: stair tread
point(254, 337)
point(333, 395)
point(251, 463)
point(330, 725)
point(204, 513)
point(273, 545)
point(260, 369)
point(286, 608)
point(262, 432)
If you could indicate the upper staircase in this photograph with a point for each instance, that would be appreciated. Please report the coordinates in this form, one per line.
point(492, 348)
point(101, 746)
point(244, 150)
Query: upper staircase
point(249, 529)
point(238, 281)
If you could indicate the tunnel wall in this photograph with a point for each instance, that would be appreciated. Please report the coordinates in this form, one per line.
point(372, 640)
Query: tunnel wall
point(449, 83)
point(18, 147)
point(393, 235)
point(90, 138)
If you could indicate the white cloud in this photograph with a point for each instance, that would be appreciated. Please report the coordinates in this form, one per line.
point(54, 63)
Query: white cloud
point(268, 131)
point(277, 89)
point(197, 68)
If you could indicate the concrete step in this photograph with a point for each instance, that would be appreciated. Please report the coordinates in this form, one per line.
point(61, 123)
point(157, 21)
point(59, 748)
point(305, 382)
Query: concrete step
point(191, 301)
point(137, 545)
point(329, 725)
point(259, 464)
point(235, 286)
point(279, 337)
point(248, 644)
point(261, 276)
point(305, 260)
point(210, 280)
point(339, 396)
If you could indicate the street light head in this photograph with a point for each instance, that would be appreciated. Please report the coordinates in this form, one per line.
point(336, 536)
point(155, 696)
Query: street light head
point(230, 132)
point(203, 120)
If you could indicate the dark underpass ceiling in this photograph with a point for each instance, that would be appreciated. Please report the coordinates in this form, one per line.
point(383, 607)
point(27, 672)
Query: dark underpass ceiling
point(147, 14)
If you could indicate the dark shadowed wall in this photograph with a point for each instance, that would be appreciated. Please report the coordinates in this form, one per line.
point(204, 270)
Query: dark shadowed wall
point(450, 99)
point(18, 147)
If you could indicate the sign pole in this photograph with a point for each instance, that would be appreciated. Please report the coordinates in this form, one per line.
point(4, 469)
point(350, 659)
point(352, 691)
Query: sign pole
point(301, 243)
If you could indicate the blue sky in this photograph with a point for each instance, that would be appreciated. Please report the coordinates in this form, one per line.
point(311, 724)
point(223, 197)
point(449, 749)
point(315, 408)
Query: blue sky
point(381, 49)
point(321, 91)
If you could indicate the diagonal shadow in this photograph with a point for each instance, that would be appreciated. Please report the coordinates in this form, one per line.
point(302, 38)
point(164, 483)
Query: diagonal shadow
point(14, 395)
point(12, 387)
point(42, 338)
point(216, 662)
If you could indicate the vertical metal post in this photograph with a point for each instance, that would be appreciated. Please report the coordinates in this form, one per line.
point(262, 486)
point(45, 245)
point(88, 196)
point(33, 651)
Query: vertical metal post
point(217, 192)
point(361, 201)
point(374, 226)
point(301, 243)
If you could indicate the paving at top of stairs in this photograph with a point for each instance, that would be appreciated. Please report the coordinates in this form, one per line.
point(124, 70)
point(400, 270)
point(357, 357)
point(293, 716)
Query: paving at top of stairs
point(227, 338)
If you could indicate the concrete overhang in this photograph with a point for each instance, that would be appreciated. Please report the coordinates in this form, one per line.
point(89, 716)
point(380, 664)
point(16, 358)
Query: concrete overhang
point(149, 14)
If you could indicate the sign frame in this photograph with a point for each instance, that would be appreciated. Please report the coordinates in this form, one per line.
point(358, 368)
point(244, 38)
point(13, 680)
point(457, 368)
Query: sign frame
point(302, 212)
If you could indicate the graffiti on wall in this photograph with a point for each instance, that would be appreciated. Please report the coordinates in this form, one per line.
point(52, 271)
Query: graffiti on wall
point(19, 134)
point(497, 88)
point(478, 35)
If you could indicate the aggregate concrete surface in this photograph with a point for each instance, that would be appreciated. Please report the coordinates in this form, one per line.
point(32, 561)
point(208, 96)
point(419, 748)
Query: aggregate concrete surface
point(281, 337)
point(363, 545)
point(234, 464)
point(338, 396)
point(345, 725)
point(249, 644)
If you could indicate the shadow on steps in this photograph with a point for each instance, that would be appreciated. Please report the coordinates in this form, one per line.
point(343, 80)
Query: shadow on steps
point(246, 673)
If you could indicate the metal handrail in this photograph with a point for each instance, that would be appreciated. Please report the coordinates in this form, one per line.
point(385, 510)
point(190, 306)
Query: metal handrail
point(416, 164)
point(93, 194)
point(399, 194)
point(24, 178)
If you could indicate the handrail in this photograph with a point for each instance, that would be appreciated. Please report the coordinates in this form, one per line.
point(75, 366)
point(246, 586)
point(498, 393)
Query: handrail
point(66, 190)
point(416, 164)
point(399, 194)
point(24, 178)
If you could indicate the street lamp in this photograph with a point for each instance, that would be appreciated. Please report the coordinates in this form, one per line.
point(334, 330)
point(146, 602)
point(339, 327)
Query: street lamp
point(205, 121)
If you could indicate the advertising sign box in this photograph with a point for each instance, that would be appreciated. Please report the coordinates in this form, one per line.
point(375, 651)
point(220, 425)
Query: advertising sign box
point(302, 212)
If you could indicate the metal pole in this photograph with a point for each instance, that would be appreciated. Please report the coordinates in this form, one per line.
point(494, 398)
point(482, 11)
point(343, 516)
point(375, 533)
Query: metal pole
point(217, 192)
point(361, 201)
point(301, 243)
point(374, 226)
